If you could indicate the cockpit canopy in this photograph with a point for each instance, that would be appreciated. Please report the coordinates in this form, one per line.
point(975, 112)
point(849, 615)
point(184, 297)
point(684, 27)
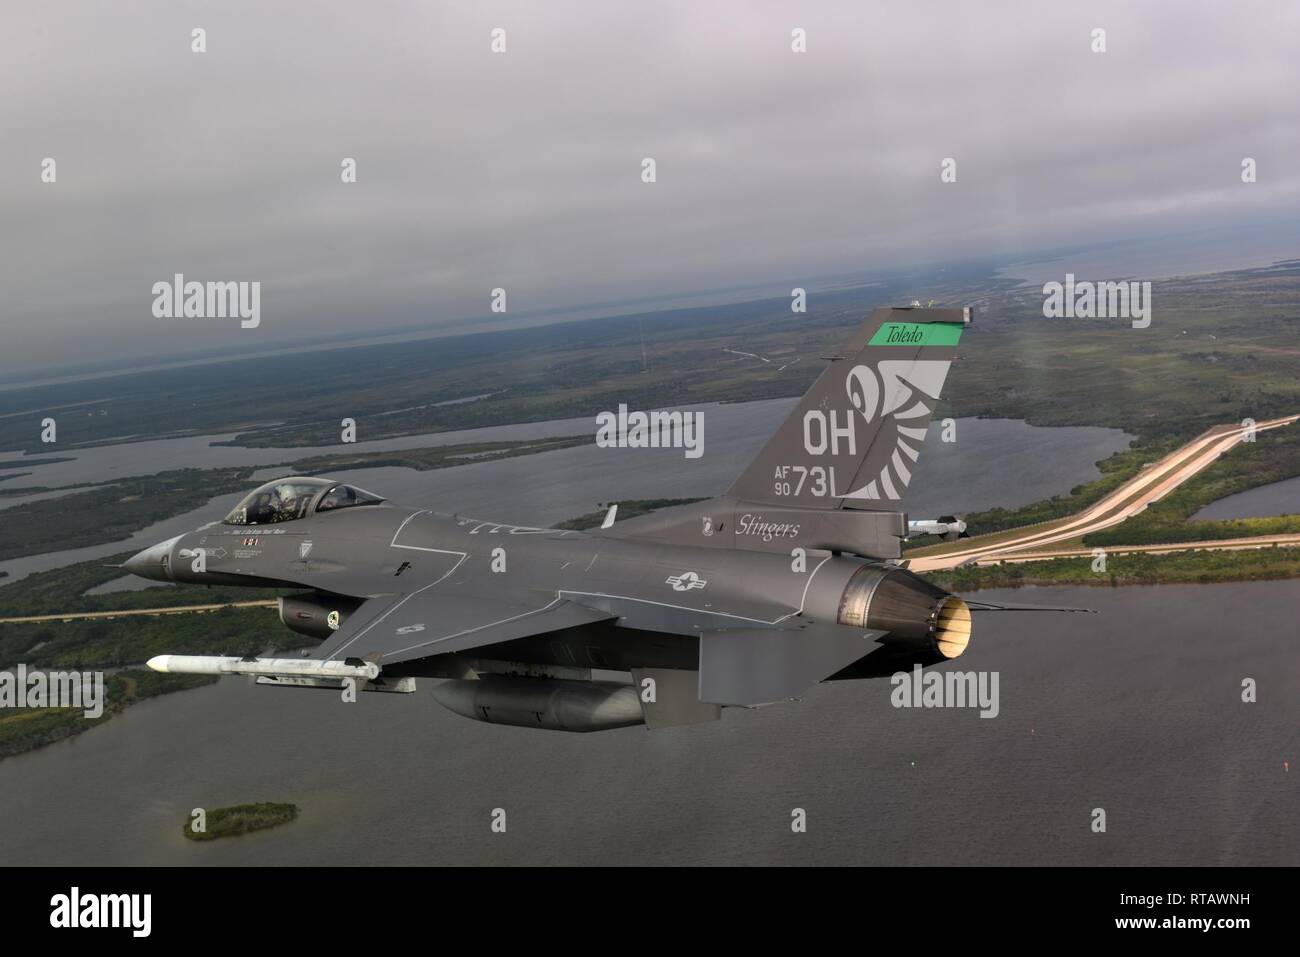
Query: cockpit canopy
point(287, 499)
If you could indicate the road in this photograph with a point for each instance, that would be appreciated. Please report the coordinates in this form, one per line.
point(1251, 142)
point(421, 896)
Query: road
point(1221, 545)
point(127, 612)
point(1148, 486)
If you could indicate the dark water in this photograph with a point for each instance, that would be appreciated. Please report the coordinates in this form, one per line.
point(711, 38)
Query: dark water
point(1280, 498)
point(1136, 710)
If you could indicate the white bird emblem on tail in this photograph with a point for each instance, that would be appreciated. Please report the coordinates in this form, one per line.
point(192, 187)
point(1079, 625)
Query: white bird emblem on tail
point(903, 381)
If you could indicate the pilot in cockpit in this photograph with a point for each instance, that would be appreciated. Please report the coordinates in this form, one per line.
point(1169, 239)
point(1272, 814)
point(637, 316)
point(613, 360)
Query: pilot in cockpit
point(284, 503)
point(286, 500)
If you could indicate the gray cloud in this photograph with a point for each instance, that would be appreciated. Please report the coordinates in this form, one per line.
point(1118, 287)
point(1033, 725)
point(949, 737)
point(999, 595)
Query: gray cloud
point(479, 170)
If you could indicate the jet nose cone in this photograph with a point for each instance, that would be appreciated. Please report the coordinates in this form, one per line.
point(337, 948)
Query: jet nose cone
point(155, 562)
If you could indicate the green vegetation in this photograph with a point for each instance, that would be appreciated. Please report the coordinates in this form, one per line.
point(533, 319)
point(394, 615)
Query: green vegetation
point(1220, 348)
point(104, 643)
point(24, 729)
point(1272, 457)
point(241, 819)
point(627, 508)
point(23, 463)
point(60, 591)
point(100, 644)
point(19, 492)
point(108, 513)
point(1134, 568)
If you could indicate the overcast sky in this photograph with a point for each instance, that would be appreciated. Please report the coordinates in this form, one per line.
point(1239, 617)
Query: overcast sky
point(522, 170)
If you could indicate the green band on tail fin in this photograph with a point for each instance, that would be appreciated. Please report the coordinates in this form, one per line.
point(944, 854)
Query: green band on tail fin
point(917, 334)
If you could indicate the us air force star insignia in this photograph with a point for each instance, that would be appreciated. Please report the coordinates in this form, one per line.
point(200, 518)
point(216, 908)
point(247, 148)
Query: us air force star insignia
point(332, 619)
point(685, 581)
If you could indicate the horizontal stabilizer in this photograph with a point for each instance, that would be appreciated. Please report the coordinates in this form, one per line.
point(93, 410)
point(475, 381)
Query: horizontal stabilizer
point(753, 666)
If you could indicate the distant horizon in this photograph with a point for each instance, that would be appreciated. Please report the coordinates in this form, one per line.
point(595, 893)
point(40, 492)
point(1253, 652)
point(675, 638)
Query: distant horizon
point(691, 299)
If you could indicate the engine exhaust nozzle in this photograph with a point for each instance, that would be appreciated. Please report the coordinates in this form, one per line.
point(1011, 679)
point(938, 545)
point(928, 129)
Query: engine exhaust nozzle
point(909, 608)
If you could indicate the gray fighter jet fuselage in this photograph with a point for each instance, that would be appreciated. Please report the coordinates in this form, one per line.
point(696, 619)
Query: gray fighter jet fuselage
point(790, 578)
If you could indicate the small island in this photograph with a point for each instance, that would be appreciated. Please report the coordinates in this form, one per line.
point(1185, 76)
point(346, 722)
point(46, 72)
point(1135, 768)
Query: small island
point(241, 819)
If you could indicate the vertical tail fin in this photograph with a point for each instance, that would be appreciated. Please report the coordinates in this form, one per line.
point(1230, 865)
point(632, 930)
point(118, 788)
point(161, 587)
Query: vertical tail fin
point(854, 438)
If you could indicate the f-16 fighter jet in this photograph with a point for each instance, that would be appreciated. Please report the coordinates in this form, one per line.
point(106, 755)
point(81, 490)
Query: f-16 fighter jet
point(790, 578)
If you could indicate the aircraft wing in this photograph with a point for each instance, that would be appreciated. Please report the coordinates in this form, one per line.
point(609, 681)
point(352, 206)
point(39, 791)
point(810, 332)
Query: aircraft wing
point(387, 629)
